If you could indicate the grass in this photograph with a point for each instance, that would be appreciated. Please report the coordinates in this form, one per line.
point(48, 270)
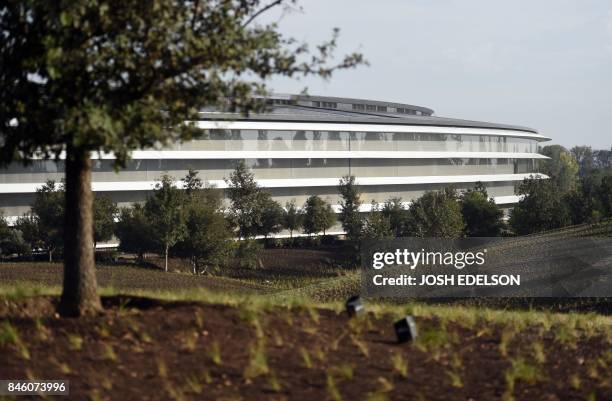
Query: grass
point(400, 365)
point(10, 336)
point(258, 362)
point(306, 360)
point(587, 323)
point(214, 353)
point(75, 341)
point(332, 388)
point(520, 370)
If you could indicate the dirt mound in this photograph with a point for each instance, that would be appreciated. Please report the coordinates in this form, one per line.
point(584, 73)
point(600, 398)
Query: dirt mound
point(149, 350)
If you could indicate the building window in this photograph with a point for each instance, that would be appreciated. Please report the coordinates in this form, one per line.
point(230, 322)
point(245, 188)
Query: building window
point(370, 107)
point(316, 104)
point(330, 105)
point(382, 108)
point(400, 110)
point(359, 107)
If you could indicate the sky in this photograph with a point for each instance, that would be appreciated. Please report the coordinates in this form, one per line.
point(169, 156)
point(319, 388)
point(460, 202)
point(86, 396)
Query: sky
point(545, 64)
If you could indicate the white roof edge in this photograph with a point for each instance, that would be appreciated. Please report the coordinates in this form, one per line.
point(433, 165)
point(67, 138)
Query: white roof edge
point(311, 154)
point(358, 127)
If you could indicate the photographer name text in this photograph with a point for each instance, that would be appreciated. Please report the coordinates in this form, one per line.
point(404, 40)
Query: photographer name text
point(483, 280)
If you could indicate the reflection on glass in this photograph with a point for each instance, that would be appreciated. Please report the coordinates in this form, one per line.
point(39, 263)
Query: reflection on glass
point(361, 141)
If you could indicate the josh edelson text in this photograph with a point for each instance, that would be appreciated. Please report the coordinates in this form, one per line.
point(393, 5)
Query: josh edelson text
point(403, 259)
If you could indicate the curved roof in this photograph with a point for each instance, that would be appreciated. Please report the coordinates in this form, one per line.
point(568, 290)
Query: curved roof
point(301, 108)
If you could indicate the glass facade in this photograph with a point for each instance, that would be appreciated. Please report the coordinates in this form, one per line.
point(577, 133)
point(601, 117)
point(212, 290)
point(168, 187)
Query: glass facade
point(253, 140)
point(218, 169)
point(147, 170)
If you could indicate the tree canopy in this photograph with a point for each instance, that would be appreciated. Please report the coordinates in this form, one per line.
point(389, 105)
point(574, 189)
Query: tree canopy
point(483, 218)
point(166, 214)
point(561, 167)
point(541, 208)
point(349, 207)
point(88, 76)
point(435, 214)
point(318, 215)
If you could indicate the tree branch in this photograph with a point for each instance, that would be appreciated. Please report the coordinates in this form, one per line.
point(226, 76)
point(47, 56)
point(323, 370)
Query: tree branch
point(263, 10)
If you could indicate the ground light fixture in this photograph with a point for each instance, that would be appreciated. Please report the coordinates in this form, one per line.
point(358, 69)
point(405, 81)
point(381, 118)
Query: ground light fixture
point(354, 306)
point(405, 329)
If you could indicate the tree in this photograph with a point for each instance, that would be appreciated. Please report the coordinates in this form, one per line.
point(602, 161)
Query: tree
point(104, 213)
point(604, 196)
point(192, 184)
point(208, 239)
point(27, 225)
point(482, 216)
point(585, 158)
point(377, 225)
point(318, 216)
point(579, 206)
point(244, 195)
point(11, 239)
point(5, 233)
point(134, 231)
point(48, 209)
point(86, 76)
point(292, 218)
point(562, 168)
point(165, 212)
point(272, 214)
point(349, 207)
point(393, 210)
point(435, 214)
point(540, 209)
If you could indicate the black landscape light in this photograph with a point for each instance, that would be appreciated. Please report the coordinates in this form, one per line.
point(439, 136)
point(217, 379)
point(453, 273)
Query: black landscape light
point(354, 306)
point(405, 329)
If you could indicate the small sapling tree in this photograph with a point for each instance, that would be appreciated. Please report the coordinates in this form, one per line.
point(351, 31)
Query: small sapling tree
point(208, 240)
point(318, 215)
point(134, 231)
point(164, 209)
point(292, 218)
point(350, 217)
point(104, 213)
point(48, 209)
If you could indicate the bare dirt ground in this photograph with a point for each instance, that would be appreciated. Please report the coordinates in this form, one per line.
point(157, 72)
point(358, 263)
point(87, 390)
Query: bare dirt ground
point(143, 349)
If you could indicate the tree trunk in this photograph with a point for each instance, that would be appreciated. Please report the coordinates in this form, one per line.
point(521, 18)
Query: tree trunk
point(166, 265)
point(79, 296)
point(50, 255)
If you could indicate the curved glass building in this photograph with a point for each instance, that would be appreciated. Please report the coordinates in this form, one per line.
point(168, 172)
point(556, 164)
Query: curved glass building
point(304, 144)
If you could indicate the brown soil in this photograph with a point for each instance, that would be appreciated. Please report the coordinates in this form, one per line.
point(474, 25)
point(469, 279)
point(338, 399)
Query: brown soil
point(142, 349)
